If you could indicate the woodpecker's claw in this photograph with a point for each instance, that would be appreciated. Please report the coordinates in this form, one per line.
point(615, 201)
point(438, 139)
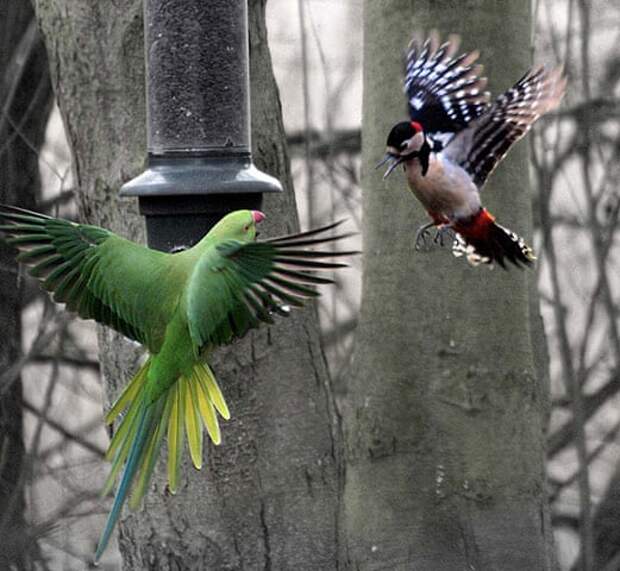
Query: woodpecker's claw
point(442, 231)
point(421, 236)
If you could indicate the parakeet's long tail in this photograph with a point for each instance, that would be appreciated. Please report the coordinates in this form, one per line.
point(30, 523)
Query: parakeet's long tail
point(482, 240)
point(188, 404)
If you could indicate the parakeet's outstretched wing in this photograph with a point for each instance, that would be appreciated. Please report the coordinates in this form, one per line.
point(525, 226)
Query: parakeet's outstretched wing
point(96, 273)
point(480, 147)
point(444, 93)
point(235, 286)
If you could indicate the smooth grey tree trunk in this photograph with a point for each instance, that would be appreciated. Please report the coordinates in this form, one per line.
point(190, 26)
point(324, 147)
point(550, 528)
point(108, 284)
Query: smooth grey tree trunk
point(444, 420)
point(268, 496)
point(25, 102)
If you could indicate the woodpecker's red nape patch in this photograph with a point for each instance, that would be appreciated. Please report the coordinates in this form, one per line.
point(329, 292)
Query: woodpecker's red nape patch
point(417, 127)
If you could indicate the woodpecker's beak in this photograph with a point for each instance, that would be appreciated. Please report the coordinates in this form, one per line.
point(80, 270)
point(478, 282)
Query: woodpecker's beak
point(384, 160)
point(393, 161)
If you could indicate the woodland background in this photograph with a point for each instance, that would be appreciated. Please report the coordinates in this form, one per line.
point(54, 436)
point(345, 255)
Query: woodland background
point(51, 434)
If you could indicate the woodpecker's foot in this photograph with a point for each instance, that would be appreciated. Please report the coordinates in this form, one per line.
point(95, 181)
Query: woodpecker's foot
point(424, 241)
point(422, 237)
point(443, 231)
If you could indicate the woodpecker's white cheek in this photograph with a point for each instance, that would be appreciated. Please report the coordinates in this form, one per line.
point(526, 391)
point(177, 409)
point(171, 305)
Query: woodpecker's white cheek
point(415, 143)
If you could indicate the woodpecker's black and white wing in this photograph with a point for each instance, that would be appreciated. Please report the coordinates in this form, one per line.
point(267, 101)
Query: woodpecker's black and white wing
point(480, 147)
point(444, 93)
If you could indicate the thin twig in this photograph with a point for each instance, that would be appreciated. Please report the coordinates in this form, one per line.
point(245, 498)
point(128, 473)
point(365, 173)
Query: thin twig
point(69, 436)
point(309, 168)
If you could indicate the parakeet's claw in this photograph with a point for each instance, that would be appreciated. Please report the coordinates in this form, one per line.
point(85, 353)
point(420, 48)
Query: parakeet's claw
point(422, 236)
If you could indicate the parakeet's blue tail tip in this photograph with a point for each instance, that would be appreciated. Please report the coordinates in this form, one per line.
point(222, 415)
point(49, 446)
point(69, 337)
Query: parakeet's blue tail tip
point(145, 416)
point(101, 547)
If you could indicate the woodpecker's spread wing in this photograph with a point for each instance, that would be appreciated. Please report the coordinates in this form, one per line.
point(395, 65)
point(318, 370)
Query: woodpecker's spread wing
point(444, 93)
point(480, 147)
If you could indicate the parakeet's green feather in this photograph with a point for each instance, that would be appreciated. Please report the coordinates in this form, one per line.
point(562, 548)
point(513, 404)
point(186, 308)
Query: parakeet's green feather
point(193, 426)
point(214, 394)
point(175, 437)
point(96, 273)
point(180, 307)
point(120, 446)
point(235, 284)
point(151, 459)
point(207, 409)
point(129, 393)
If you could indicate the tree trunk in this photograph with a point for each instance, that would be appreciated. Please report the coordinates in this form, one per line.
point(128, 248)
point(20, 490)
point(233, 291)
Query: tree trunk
point(268, 496)
point(25, 102)
point(444, 421)
point(606, 531)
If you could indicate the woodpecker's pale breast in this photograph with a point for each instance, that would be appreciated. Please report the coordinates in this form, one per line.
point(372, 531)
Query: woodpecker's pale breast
point(446, 189)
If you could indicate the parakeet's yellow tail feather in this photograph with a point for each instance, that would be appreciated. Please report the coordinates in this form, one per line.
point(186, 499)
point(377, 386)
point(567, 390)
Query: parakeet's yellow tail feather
point(189, 405)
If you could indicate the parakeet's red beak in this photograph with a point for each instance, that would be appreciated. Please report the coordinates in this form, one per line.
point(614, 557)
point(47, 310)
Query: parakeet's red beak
point(257, 215)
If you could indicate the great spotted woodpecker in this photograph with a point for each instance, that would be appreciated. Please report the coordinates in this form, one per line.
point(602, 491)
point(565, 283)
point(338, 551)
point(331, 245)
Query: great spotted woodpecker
point(456, 137)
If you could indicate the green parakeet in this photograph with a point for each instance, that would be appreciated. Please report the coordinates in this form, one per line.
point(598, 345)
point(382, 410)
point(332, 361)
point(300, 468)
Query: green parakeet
point(179, 307)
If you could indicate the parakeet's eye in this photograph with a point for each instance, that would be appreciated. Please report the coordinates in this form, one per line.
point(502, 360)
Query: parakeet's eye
point(246, 227)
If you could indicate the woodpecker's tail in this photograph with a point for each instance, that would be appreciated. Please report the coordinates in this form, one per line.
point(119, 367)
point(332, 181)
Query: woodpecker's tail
point(483, 241)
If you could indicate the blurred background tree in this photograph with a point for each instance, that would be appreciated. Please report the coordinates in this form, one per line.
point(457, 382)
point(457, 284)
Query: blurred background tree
point(269, 494)
point(444, 411)
point(25, 100)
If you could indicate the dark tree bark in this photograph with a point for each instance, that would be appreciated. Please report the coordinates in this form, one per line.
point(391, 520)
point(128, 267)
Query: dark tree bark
point(25, 102)
point(268, 496)
point(606, 531)
point(444, 421)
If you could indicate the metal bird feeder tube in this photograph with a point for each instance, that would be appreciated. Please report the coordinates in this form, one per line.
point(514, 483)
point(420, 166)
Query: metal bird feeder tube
point(199, 164)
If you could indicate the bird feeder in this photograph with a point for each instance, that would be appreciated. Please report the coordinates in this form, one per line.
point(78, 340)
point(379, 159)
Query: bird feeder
point(199, 162)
